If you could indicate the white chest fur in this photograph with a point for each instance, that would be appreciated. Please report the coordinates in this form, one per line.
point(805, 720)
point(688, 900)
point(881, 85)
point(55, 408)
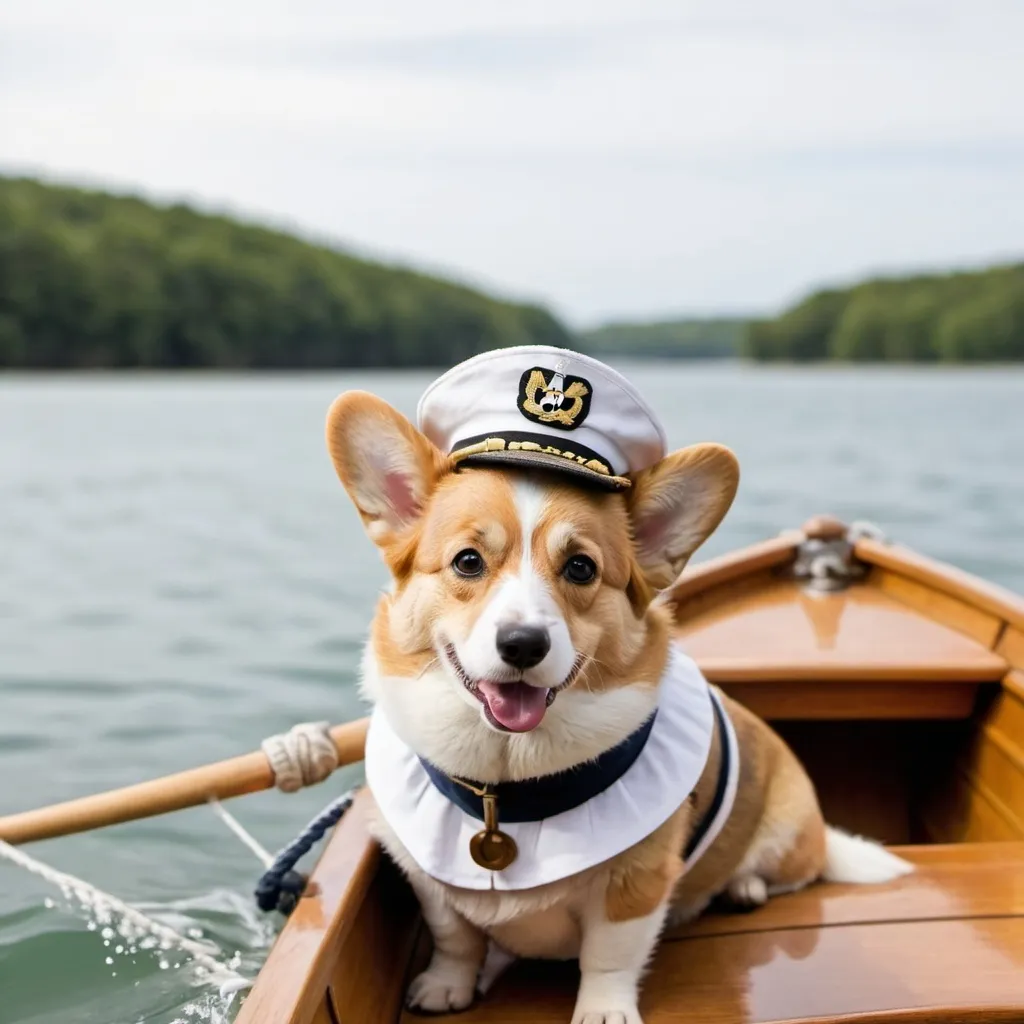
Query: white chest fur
point(436, 834)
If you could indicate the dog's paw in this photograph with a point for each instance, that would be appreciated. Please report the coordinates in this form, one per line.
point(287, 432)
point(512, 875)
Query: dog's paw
point(626, 1015)
point(749, 891)
point(442, 987)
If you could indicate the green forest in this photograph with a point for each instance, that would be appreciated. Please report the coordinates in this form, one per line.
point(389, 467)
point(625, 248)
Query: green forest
point(91, 280)
point(667, 339)
point(953, 318)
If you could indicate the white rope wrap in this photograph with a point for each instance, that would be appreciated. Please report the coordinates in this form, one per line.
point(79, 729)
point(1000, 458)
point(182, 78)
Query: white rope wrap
point(303, 756)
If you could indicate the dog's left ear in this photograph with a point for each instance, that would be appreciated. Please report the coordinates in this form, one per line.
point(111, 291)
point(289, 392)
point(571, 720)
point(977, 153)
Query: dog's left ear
point(677, 504)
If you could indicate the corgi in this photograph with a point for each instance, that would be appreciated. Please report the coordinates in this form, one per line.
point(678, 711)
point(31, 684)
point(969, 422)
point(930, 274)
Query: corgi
point(550, 770)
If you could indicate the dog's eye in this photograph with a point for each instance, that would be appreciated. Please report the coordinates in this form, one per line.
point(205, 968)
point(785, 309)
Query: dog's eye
point(468, 563)
point(579, 569)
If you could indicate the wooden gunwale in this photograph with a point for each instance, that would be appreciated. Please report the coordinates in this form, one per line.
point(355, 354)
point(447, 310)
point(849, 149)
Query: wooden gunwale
point(294, 980)
point(946, 579)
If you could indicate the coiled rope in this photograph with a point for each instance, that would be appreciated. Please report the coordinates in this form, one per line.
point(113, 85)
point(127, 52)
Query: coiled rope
point(280, 886)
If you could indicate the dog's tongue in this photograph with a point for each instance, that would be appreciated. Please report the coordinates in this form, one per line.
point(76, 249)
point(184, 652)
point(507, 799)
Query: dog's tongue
point(517, 706)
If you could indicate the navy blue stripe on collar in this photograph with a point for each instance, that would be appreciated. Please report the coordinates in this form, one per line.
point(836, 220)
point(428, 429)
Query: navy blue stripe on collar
point(724, 769)
point(544, 797)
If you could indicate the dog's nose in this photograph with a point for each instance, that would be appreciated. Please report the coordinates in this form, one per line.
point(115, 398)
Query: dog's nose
point(523, 646)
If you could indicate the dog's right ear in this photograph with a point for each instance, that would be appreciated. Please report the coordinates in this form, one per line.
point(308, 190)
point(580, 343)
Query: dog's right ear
point(387, 466)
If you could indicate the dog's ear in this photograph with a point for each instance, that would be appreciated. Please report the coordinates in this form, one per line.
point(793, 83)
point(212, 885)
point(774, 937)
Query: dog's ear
point(677, 504)
point(387, 466)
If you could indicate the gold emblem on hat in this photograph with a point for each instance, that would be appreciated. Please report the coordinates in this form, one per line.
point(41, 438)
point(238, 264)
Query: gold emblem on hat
point(554, 401)
point(490, 848)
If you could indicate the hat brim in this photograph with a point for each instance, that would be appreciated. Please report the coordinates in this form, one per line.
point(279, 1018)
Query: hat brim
point(549, 463)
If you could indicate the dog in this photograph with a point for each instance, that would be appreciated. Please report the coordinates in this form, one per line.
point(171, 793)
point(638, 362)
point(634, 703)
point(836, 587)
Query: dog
point(550, 770)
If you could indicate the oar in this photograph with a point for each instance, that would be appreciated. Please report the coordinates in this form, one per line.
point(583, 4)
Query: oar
point(237, 776)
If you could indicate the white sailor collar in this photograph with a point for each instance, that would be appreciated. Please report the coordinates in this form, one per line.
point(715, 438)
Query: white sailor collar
point(437, 833)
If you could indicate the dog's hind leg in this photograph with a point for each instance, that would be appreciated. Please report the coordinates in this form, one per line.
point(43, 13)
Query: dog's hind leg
point(787, 851)
point(496, 962)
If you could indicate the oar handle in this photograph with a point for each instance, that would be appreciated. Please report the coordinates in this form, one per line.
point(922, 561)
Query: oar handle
point(237, 776)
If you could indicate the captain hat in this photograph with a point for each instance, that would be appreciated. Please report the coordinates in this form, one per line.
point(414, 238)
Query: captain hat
point(546, 407)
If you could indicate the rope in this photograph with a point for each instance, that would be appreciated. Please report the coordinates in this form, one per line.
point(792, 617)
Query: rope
point(302, 756)
point(103, 903)
point(257, 848)
point(281, 886)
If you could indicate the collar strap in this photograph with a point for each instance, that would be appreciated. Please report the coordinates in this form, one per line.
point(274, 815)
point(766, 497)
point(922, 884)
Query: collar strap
point(544, 797)
point(725, 772)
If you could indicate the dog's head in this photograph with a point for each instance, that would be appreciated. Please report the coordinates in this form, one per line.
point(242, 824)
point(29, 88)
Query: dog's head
point(521, 601)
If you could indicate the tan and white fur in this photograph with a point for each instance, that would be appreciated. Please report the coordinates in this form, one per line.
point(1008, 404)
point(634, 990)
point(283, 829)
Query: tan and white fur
point(433, 649)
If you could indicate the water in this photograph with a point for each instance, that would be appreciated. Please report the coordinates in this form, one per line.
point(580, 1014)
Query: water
point(181, 575)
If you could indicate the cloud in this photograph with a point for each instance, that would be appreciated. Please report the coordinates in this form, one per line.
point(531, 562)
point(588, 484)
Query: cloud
point(609, 158)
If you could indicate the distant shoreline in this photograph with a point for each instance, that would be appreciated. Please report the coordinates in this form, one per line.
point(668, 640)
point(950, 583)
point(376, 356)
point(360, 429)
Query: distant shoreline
point(93, 282)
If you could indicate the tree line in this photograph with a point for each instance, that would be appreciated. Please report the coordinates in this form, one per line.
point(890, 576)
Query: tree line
point(960, 317)
point(92, 280)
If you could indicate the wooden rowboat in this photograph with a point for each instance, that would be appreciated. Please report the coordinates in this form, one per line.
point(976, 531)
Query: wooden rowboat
point(900, 684)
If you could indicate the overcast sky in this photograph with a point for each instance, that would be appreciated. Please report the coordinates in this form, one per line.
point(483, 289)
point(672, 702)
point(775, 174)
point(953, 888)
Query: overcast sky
point(634, 158)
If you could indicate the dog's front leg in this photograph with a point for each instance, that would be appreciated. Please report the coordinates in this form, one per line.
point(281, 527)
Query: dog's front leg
point(449, 982)
point(613, 955)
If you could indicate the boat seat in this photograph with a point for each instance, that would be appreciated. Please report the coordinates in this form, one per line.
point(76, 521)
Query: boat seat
point(861, 653)
point(946, 942)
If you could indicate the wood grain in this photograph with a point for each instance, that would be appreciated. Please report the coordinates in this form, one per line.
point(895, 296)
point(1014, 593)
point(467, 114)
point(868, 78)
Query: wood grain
point(862, 634)
point(1011, 647)
point(824, 700)
point(988, 597)
point(367, 983)
point(704, 576)
point(943, 946)
point(962, 810)
point(978, 880)
point(951, 611)
point(968, 971)
point(292, 985)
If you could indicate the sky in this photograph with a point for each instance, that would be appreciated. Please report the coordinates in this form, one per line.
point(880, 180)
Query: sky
point(637, 159)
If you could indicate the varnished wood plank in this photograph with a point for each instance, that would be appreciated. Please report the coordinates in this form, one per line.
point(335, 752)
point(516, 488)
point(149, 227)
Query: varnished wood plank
point(949, 938)
point(954, 880)
point(1006, 712)
point(782, 632)
point(823, 699)
point(1013, 684)
point(1011, 647)
point(962, 811)
point(965, 618)
point(703, 576)
point(993, 768)
point(323, 1014)
point(969, 971)
point(989, 597)
point(292, 985)
point(367, 983)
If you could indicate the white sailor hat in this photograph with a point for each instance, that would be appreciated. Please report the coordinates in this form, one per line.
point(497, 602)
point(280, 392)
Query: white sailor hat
point(545, 407)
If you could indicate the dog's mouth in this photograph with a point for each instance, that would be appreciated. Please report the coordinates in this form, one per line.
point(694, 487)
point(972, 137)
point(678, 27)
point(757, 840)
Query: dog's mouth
point(511, 706)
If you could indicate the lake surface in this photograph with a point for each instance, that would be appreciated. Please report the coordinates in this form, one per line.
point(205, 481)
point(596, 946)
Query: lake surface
point(181, 575)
